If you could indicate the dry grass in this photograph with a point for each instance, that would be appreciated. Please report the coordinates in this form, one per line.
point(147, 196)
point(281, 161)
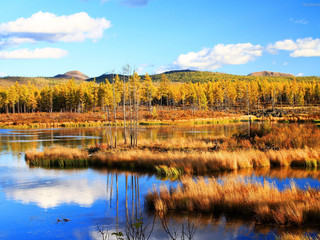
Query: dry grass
point(279, 173)
point(201, 156)
point(58, 157)
point(288, 136)
point(295, 157)
point(179, 144)
point(264, 137)
point(99, 118)
point(289, 236)
point(261, 203)
point(193, 162)
point(190, 162)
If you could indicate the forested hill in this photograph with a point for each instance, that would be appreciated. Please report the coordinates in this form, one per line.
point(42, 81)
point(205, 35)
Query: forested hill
point(173, 76)
point(37, 81)
point(204, 76)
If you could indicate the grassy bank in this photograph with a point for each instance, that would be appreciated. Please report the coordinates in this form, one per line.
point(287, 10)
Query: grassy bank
point(161, 116)
point(289, 236)
point(95, 119)
point(58, 157)
point(260, 203)
point(284, 146)
point(193, 162)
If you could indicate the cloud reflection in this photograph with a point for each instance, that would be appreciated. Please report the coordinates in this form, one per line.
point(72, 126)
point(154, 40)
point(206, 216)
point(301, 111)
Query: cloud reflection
point(82, 192)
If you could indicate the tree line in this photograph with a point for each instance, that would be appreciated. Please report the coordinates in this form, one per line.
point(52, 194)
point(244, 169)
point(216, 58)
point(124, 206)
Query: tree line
point(219, 93)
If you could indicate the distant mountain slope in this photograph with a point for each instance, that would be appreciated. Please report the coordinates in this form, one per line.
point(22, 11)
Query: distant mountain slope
point(204, 76)
point(37, 81)
point(180, 71)
point(73, 74)
point(103, 78)
point(271, 74)
point(174, 76)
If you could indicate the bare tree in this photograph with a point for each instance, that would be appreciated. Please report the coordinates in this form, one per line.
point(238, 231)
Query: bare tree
point(126, 73)
point(114, 110)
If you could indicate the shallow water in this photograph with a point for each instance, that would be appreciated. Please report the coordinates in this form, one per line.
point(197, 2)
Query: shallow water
point(34, 201)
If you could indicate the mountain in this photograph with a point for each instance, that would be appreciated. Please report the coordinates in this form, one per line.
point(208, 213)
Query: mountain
point(271, 74)
point(73, 74)
point(180, 71)
point(103, 78)
point(37, 81)
point(174, 76)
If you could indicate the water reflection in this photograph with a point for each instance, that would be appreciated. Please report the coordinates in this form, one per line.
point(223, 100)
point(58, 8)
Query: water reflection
point(54, 193)
point(23, 140)
point(126, 208)
point(33, 199)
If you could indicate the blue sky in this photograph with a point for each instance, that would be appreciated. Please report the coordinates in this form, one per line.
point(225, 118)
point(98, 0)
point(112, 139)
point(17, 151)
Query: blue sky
point(44, 38)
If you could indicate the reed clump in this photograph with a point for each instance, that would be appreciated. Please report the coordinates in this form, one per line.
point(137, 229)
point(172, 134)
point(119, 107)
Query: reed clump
point(58, 156)
point(258, 149)
point(193, 161)
point(262, 203)
point(166, 172)
point(290, 236)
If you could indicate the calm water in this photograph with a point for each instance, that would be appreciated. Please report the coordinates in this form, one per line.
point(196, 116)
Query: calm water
point(34, 201)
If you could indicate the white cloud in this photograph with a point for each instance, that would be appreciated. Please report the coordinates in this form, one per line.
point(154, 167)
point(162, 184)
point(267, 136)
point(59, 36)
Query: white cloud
point(300, 74)
point(142, 68)
point(39, 53)
point(216, 57)
point(299, 21)
point(11, 42)
point(45, 26)
point(2, 74)
point(302, 47)
point(285, 64)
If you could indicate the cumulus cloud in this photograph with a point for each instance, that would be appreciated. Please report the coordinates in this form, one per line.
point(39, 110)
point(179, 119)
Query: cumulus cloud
point(216, 57)
point(12, 42)
point(48, 27)
point(39, 53)
point(302, 47)
point(45, 26)
point(2, 74)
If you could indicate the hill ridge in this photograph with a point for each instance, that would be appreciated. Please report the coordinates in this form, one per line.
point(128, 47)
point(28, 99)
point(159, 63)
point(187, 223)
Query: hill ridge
point(270, 74)
point(73, 74)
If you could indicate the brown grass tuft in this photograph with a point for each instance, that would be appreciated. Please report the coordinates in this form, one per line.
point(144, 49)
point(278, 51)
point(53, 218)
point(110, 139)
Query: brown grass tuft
point(192, 161)
point(57, 157)
point(261, 203)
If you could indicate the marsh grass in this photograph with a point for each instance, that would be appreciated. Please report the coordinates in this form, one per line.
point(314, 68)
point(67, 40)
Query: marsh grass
point(290, 236)
point(95, 119)
point(195, 162)
point(189, 162)
point(166, 172)
point(261, 203)
point(198, 156)
point(58, 157)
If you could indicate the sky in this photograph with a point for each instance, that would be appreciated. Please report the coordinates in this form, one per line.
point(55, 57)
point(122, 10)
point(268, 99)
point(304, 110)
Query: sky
point(49, 37)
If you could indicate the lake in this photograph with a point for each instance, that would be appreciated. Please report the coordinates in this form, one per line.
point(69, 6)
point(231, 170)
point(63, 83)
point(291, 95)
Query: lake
point(40, 203)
